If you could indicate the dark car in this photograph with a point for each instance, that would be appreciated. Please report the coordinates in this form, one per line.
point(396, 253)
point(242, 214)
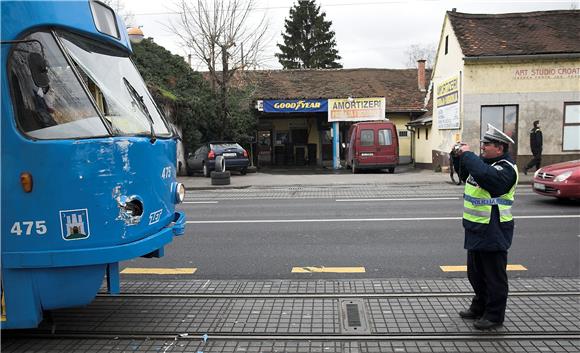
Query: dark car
point(561, 180)
point(203, 159)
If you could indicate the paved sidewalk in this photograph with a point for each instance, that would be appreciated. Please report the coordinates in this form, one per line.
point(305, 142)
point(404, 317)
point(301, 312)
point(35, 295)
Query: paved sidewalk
point(308, 316)
point(327, 177)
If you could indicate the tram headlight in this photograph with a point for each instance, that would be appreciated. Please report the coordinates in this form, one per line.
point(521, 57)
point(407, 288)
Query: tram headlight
point(179, 193)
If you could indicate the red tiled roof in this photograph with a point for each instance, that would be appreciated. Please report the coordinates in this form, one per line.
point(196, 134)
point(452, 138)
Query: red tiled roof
point(399, 87)
point(540, 32)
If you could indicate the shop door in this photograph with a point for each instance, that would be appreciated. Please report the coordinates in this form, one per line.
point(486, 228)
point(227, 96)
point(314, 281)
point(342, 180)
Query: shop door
point(326, 145)
point(264, 147)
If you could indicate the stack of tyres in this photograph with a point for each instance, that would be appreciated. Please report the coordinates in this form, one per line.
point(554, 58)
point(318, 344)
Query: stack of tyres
point(220, 176)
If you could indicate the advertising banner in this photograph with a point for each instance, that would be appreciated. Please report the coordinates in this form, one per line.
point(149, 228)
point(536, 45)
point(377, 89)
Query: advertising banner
point(356, 109)
point(295, 106)
point(447, 98)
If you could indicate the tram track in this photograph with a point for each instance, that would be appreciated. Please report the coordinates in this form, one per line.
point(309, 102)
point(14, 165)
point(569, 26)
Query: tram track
point(483, 336)
point(330, 295)
point(61, 327)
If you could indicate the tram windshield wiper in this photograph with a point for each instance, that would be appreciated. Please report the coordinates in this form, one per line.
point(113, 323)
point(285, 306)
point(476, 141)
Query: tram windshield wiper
point(140, 102)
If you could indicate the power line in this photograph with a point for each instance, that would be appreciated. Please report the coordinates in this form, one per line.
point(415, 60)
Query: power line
point(392, 2)
point(288, 7)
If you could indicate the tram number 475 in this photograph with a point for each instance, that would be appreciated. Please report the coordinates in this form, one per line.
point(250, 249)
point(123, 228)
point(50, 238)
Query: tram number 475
point(29, 228)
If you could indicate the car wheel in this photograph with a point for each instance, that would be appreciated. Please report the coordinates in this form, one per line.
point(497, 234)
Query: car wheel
point(205, 170)
point(391, 170)
point(243, 171)
point(353, 167)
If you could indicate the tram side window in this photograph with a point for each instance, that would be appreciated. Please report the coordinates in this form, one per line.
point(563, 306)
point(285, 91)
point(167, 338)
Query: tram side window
point(56, 111)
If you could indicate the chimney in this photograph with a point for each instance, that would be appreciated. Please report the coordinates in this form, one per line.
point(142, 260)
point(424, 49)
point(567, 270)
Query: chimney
point(421, 74)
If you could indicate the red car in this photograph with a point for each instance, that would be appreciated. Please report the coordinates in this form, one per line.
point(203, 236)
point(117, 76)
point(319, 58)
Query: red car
point(561, 180)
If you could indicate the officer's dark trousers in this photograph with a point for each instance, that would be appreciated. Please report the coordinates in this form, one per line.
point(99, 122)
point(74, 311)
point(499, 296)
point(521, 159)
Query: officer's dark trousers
point(486, 271)
point(535, 161)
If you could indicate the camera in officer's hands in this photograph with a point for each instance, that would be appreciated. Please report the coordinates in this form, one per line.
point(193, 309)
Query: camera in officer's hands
point(456, 149)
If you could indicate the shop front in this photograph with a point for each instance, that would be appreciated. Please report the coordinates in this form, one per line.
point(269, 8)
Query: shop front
point(301, 132)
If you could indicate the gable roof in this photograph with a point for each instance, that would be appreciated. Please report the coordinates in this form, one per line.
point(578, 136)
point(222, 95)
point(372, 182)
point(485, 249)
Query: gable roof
point(540, 32)
point(399, 87)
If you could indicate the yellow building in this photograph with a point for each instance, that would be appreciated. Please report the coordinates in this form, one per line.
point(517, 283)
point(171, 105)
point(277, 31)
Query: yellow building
point(508, 70)
point(293, 126)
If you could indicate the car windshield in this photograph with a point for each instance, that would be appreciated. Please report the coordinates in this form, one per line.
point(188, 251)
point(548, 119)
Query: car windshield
point(117, 87)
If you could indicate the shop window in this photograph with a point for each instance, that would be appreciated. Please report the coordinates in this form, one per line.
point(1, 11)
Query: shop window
point(299, 136)
point(403, 133)
point(571, 135)
point(418, 134)
point(426, 133)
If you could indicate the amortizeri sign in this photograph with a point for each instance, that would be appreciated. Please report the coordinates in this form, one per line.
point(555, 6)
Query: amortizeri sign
point(295, 106)
point(356, 109)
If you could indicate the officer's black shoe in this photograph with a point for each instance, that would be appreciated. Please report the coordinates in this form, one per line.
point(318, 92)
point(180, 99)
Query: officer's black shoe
point(468, 314)
point(485, 324)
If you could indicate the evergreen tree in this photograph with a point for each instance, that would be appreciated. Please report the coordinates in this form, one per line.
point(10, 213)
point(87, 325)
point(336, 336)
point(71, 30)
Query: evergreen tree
point(308, 41)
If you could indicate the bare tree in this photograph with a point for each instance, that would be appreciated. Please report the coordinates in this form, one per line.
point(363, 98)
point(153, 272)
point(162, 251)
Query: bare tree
point(420, 51)
point(218, 34)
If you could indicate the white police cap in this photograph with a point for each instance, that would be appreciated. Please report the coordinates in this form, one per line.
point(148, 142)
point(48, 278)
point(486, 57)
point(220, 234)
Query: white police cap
point(494, 134)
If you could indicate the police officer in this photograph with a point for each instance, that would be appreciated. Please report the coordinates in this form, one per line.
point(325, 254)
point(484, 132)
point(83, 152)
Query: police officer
point(490, 183)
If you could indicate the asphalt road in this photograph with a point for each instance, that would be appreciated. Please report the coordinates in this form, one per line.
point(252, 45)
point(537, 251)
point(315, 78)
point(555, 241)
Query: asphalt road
point(404, 233)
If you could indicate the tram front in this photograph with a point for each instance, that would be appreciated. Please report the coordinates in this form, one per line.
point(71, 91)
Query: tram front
point(88, 161)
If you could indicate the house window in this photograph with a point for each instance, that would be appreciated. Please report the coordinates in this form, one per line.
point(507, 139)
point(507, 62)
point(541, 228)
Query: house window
point(426, 133)
point(446, 44)
point(503, 117)
point(571, 135)
point(403, 133)
point(418, 134)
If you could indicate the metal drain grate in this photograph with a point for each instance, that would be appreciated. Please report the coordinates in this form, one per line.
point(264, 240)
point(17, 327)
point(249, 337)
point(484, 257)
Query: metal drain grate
point(353, 317)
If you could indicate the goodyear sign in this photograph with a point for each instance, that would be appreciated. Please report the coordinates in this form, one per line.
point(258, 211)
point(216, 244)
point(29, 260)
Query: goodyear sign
point(447, 99)
point(295, 106)
point(356, 109)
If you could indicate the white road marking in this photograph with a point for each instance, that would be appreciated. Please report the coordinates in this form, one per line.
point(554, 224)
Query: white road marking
point(404, 199)
point(364, 219)
point(200, 201)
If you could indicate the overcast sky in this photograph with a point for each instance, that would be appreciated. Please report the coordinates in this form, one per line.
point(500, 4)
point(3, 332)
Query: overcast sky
point(369, 33)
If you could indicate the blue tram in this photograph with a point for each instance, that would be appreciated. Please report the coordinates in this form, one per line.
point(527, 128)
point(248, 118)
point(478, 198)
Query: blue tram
point(88, 174)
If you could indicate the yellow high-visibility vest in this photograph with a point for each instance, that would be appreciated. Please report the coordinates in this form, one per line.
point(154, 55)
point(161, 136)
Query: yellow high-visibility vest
point(477, 202)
